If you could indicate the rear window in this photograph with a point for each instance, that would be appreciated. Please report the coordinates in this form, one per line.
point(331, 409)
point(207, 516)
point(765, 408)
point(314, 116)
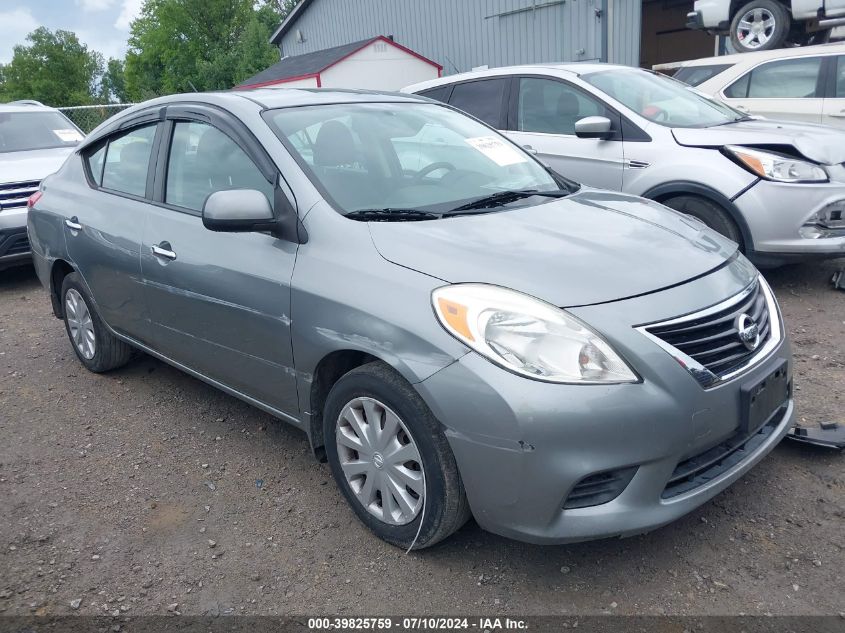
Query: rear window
point(441, 93)
point(696, 75)
point(482, 99)
point(22, 131)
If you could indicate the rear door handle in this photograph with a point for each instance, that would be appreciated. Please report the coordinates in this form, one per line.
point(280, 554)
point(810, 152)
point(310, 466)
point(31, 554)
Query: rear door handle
point(73, 224)
point(163, 251)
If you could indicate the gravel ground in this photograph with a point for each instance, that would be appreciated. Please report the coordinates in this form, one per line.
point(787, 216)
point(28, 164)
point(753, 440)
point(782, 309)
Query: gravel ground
point(145, 491)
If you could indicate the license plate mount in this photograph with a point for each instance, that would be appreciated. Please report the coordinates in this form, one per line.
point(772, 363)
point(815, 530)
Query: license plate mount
point(761, 399)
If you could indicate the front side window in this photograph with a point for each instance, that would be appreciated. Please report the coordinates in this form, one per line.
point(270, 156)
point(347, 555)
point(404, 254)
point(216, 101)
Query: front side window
point(482, 99)
point(403, 155)
point(785, 79)
point(204, 160)
point(697, 75)
point(662, 100)
point(127, 161)
point(553, 107)
point(44, 129)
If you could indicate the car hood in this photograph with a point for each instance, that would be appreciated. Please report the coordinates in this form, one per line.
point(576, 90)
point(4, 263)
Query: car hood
point(591, 247)
point(31, 165)
point(819, 143)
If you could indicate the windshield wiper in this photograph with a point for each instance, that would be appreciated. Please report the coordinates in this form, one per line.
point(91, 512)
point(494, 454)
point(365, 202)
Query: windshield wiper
point(503, 197)
point(390, 214)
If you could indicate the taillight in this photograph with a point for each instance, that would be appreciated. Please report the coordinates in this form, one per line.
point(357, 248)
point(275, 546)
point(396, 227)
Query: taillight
point(33, 199)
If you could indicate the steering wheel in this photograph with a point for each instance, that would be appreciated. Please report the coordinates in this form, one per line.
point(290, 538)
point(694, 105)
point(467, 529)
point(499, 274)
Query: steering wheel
point(425, 171)
point(655, 113)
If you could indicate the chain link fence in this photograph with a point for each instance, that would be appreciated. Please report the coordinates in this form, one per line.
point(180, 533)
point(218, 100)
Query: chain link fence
point(88, 117)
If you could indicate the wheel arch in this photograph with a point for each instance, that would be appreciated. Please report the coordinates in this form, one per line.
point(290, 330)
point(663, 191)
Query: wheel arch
point(58, 271)
point(665, 191)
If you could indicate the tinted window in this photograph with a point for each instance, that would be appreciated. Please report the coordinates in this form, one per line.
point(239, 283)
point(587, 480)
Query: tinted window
point(127, 160)
point(95, 164)
point(204, 160)
point(786, 79)
point(440, 93)
point(840, 77)
point(553, 107)
point(695, 75)
point(20, 131)
point(482, 99)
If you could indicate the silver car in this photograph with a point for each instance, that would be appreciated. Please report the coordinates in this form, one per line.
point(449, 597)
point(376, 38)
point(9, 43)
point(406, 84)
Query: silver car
point(775, 188)
point(34, 142)
point(456, 329)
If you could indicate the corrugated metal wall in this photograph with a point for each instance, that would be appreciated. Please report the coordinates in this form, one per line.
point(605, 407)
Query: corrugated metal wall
point(462, 34)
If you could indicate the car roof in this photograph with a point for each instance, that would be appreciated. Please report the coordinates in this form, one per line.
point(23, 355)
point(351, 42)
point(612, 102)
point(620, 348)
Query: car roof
point(576, 68)
point(758, 56)
point(25, 105)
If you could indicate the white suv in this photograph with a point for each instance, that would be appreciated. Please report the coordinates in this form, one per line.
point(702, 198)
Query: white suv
point(797, 84)
point(34, 142)
point(761, 25)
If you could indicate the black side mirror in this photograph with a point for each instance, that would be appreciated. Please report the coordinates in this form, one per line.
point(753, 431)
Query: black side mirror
point(594, 127)
point(248, 210)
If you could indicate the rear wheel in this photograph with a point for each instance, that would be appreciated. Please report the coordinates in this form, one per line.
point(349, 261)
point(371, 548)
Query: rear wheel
point(391, 460)
point(95, 346)
point(708, 212)
point(760, 25)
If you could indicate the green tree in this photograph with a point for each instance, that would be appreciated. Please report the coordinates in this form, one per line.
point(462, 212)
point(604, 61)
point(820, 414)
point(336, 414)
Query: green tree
point(184, 45)
point(113, 83)
point(54, 68)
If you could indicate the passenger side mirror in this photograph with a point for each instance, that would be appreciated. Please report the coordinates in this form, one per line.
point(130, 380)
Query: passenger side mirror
point(594, 127)
point(238, 211)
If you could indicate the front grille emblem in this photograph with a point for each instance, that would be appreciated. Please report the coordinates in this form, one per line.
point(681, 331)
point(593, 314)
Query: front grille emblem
point(748, 331)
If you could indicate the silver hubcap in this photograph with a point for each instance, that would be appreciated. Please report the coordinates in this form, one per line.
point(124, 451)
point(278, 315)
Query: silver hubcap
point(380, 461)
point(756, 28)
point(79, 323)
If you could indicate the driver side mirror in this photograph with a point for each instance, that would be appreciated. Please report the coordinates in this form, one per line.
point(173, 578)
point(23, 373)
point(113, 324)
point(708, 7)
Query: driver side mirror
point(594, 127)
point(238, 211)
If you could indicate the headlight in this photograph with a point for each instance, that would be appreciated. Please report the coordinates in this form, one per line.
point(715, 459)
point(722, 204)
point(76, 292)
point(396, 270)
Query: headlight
point(527, 336)
point(777, 167)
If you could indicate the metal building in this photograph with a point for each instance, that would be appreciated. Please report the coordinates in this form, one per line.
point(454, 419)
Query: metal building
point(464, 34)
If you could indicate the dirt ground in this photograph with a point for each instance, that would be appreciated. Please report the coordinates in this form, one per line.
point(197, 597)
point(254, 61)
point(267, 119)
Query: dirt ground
point(145, 491)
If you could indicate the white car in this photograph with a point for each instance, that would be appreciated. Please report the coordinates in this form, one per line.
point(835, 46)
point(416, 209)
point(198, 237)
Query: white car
point(797, 84)
point(34, 142)
point(760, 25)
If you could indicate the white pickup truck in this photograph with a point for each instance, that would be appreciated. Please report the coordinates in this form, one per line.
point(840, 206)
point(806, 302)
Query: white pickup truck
point(761, 25)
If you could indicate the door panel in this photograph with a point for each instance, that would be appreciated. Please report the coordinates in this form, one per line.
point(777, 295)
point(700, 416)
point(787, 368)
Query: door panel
point(834, 106)
point(788, 89)
point(544, 123)
point(103, 232)
point(219, 302)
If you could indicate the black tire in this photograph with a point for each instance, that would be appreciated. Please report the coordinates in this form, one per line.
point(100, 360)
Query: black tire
point(780, 31)
point(444, 507)
point(109, 351)
point(708, 212)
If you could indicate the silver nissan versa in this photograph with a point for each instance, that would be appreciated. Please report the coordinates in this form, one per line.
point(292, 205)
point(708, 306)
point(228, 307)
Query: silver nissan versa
point(458, 330)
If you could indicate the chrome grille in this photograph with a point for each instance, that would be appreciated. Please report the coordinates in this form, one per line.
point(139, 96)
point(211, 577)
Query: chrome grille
point(708, 343)
point(15, 194)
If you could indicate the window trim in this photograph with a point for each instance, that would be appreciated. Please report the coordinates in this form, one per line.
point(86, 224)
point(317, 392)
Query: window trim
point(506, 96)
point(821, 84)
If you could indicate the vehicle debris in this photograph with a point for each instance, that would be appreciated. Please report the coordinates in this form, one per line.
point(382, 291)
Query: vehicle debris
point(827, 435)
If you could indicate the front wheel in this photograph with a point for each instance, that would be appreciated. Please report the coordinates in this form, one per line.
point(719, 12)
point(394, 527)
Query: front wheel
point(391, 460)
point(760, 25)
point(95, 346)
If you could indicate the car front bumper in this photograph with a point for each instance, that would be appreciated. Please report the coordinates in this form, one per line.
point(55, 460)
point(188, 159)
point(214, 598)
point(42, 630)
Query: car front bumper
point(779, 215)
point(14, 245)
point(694, 20)
point(522, 446)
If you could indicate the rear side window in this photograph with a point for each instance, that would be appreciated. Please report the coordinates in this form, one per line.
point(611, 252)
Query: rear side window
point(204, 160)
point(482, 99)
point(553, 107)
point(441, 93)
point(697, 75)
point(127, 161)
point(785, 79)
point(95, 164)
point(840, 77)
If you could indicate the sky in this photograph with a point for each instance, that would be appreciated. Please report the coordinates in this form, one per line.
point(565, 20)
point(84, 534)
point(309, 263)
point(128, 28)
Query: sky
point(101, 24)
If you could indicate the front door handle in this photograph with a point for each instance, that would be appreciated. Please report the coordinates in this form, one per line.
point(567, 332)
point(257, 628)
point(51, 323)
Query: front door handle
point(73, 224)
point(164, 251)
point(839, 114)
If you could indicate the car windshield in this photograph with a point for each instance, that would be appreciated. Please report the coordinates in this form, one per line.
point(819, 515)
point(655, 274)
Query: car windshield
point(407, 158)
point(662, 100)
point(21, 131)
